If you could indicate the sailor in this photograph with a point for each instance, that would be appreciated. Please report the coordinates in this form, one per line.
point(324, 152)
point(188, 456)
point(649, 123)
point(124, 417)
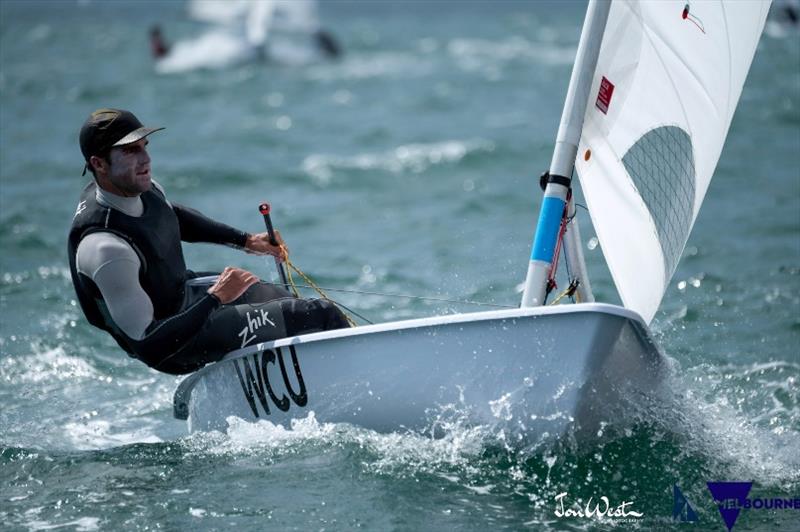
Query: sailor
point(327, 44)
point(129, 273)
point(158, 46)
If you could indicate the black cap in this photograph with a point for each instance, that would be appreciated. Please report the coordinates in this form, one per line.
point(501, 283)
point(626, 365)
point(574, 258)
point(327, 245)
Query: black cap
point(106, 128)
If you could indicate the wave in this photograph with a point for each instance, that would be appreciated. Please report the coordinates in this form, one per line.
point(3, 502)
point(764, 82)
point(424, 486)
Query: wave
point(51, 366)
point(413, 158)
point(90, 404)
point(473, 54)
point(363, 66)
point(749, 414)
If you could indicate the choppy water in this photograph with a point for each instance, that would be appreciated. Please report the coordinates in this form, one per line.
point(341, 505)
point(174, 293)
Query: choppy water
point(408, 166)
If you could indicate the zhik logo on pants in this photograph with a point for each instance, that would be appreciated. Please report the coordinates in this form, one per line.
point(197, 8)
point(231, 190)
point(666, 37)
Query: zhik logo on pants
point(253, 324)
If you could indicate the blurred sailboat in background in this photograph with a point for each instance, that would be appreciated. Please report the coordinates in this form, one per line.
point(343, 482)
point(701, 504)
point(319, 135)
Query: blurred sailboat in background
point(244, 31)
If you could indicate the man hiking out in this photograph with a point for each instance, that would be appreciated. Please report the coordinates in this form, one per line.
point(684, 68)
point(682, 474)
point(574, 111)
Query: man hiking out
point(129, 273)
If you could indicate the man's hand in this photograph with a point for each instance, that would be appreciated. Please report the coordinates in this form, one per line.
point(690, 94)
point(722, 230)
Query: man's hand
point(232, 283)
point(259, 245)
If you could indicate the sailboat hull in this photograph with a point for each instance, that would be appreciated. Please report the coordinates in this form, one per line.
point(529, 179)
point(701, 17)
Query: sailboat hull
point(532, 371)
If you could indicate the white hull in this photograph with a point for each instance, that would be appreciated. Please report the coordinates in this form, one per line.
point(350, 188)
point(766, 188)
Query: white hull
point(531, 371)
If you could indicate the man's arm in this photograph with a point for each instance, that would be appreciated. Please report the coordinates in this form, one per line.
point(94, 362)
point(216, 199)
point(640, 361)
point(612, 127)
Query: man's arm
point(196, 227)
point(113, 265)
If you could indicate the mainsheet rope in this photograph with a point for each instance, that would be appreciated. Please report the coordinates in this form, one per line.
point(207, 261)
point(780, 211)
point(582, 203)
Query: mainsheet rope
point(312, 284)
point(569, 291)
point(321, 291)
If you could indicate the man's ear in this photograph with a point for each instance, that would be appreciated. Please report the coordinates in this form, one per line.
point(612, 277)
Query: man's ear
point(99, 164)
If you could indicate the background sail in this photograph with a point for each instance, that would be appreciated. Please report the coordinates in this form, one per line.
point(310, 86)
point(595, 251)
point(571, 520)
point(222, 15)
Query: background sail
point(668, 79)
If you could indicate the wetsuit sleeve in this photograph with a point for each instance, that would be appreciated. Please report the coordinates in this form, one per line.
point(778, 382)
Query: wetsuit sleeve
point(110, 262)
point(195, 227)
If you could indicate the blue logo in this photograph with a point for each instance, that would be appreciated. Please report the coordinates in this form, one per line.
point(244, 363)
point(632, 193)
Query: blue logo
point(733, 497)
point(730, 498)
point(681, 509)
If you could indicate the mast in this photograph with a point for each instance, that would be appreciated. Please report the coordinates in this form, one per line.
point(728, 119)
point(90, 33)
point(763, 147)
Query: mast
point(563, 164)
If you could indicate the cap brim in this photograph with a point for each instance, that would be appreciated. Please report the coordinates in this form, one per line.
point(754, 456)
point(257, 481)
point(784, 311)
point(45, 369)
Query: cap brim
point(136, 135)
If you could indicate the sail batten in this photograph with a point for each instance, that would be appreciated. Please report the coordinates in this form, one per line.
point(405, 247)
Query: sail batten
point(668, 79)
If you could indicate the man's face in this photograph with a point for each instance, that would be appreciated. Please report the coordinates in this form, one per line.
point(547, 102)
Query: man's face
point(129, 169)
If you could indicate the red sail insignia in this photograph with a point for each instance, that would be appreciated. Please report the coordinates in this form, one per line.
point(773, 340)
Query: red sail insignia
point(604, 95)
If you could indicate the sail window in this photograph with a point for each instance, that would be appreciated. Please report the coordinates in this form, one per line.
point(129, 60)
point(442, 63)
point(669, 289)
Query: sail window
point(661, 166)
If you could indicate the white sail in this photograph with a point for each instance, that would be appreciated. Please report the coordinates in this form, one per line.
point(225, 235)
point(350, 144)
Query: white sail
point(667, 83)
